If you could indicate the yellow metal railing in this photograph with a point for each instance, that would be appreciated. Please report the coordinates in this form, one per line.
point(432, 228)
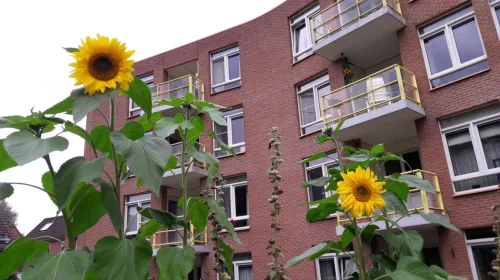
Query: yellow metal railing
point(344, 12)
point(369, 93)
point(173, 237)
point(177, 151)
point(179, 87)
point(429, 203)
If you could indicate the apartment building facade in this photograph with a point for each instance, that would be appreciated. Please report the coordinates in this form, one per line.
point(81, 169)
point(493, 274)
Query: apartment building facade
point(423, 82)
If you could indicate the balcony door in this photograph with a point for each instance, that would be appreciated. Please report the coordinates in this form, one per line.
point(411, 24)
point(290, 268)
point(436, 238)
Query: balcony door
point(174, 235)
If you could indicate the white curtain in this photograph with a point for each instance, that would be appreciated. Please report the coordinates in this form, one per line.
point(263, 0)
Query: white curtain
point(327, 269)
point(245, 272)
point(218, 71)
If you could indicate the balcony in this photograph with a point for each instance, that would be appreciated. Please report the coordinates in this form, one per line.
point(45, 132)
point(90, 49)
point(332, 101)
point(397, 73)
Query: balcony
point(429, 203)
point(380, 108)
point(363, 30)
point(173, 237)
point(195, 171)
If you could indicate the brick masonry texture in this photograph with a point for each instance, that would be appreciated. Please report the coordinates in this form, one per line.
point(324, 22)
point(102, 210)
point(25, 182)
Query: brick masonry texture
point(268, 97)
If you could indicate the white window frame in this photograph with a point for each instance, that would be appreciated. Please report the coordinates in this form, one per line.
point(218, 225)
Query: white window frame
point(230, 143)
point(318, 82)
point(452, 47)
point(474, 242)
point(213, 56)
point(495, 4)
point(236, 268)
point(324, 167)
point(139, 217)
point(338, 271)
point(230, 188)
point(478, 151)
point(148, 78)
point(303, 18)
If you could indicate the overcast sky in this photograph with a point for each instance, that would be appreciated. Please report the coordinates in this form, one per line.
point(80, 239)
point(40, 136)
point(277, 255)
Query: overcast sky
point(34, 69)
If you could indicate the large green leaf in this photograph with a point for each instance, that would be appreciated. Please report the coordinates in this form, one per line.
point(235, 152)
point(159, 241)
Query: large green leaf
point(408, 243)
point(148, 125)
point(330, 199)
point(197, 212)
point(359, 156)
point(122, 259)
point(221, 217)
point(368, 232)
point(67, 265)
point(65, 106)
point(148, 229)
point(6, 161)
point(377, 150)
point(140, 93)
point(84, 103)
point(166, 127)
point(400, 189)
point(393, 202)
point(133, 130)
point(322, 211)
point(18, 252)
point(145, 157)
point(175, 263)
point(227, 254)
point(438, 219)
point(111, 203)
point(73, 172)
point(347, 236)
point(308, 253)
point(215, 114)
point(415, 182)
point(75, 129)
point(205, 157)
point(385, 260)
point(410, 268)
point(15, 122)
point(318, 182)
point(6, 190)
point(165, 218)
point(100, 137)
point(24, 147)
point(85, 208)
point(48, 185)
point(314, 157)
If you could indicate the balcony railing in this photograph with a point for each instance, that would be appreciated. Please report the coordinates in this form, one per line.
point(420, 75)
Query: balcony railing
point(429, 203)
point(370, 93)
point(177, 152)
point(344, 12)
point(173, 237)
point(179, 87)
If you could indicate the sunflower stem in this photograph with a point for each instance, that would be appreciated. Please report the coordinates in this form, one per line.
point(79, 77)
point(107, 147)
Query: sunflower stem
point(361, 257)
point(115, 159)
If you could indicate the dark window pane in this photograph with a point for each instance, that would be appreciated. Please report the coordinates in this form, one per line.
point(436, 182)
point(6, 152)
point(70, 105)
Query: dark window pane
point(327, 269)
point(227, 86)
point(431, 256)
point(132, 198)
point(245, 272)
point(479, 233)
point(483, 257)
point(457, 75)
point(413, 159)
point(444, 20)
point(234, 66)
point(438, 54)
point(241, 223)
point(218, 71)
point(392, 167)
point(468, 40)
point(241, 200)
point(315, 193)
point(237, 129)
point(227, 201)
point(490, 138)
point(476, 183)
point(497, 12)
point(131, 216)
point(462, 154)
point(301, 41)
point(307, 107)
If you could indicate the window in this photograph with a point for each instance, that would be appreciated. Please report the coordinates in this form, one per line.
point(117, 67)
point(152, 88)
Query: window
point(309, 99)
point(452, 47)
point(472, 142)
point(242, 264)
point(331, 267)
point(480, 244)
point(317, 169)
point(232, 135)
point(46, 226)
point(131, 204)
point(394, 166)
point(225, 67)
point(236, 200)
point(495, 9)
point(134, 109)
point(302, 40)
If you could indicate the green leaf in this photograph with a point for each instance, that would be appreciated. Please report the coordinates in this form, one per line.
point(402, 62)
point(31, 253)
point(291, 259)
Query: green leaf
point(411, 269)
point(338, 127)
point(377, 150)
point(347, 237)
point(15, 122)
point(122, 259)
point(148, 125)
point(322, 212)
point(71, 173)
point(165, 218)
point(415, 182)
point(6, 190)
point(175, 263)
point(148, 229)
point(65, 106)
point(221, 217)
point(331, 199)
point(145, 157)
point(172, 101)
point(18, 252)
point(24, 147)
point(204, 157)
point(6, 161)
point(71, 50)
point(349, 150)
point(323, 138)
point(101, 138)
point(75, 129)
point(227, 254)
point(368, 232)
point(359, 156)
point(393, 202)
point(197, 213)
point(398, 188)
point(440, 220)
point(112, 205)
point(133, 130)
point(48, 185)
point(188, 98)
point(307, 254)
point(222, 145)
point(85, 208)
point(407, 243)
point(439, 271)
point(84, 103)
point(318, 182)
point(140, 93)
point(214, 113)
point(67, 265)
point(166, 127)
point(387, 262)
point(314, 157)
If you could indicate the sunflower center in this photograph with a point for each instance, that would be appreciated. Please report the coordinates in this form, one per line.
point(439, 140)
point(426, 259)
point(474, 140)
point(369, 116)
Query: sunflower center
point(362, 194)
point(103, 67)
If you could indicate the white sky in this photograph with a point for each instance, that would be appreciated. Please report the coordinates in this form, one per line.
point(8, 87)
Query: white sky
point(34, 69)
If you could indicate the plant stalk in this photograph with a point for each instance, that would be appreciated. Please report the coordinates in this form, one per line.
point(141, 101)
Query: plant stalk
point(118, 180)
point(359, 249)
point(184, 184)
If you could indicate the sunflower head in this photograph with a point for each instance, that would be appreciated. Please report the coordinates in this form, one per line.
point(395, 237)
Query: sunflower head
point(102, 63)
point(360, 192)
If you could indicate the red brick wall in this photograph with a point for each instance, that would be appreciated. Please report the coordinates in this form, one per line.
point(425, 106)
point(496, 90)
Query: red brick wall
point(55, 247)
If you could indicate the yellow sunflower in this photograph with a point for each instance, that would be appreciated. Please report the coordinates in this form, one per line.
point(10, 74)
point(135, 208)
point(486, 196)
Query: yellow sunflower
point(102, 63)
point(360, 192)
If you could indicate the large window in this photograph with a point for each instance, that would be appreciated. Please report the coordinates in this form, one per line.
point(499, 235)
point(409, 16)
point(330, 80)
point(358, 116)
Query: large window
point(236, 200)
point(495, 8)
point(480, 244)
point(309, 98)
point(317, 169)
point(452, 47)
point(301, 31)
point(232, 135)
point(225, 67)
point(134, 109)
point(331, 267)
point(472, 142)
point(132, 218)
point(242, 267)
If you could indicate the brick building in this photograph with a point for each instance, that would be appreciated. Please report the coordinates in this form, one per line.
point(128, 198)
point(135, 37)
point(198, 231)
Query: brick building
point(425, 74)
point(49, 228)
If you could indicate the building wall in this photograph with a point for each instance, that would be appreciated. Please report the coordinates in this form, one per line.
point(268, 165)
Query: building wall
point(55, 247)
